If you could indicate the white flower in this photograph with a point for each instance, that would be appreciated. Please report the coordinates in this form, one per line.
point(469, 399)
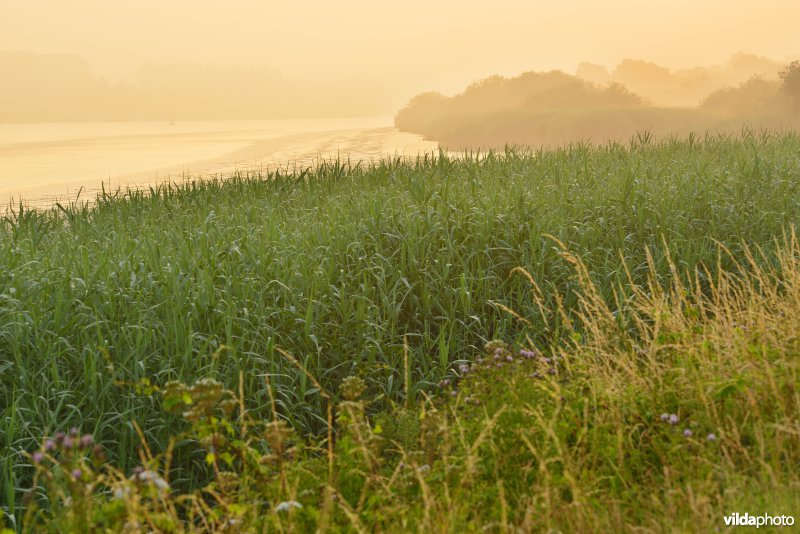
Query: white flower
point(287, 506)
point(152, 477)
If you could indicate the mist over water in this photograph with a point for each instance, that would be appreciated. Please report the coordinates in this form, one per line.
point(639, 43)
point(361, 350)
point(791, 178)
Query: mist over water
point(42, 163)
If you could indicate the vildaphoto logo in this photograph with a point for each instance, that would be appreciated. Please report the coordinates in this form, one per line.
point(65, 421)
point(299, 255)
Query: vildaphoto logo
point(764, 520)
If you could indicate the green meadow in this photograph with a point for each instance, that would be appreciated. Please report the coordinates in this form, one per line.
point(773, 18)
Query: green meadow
point(196, 329)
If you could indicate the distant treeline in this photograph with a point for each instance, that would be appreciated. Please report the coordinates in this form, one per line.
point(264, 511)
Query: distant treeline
point(553, 108)
point(58, 87)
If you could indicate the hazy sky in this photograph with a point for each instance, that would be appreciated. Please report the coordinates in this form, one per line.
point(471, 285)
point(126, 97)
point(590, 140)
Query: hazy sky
point(419, 44)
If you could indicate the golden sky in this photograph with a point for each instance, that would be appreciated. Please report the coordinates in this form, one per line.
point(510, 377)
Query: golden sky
point(410, 45)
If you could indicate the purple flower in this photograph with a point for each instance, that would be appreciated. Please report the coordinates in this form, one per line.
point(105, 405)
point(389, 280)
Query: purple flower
point(50, 445)
point(86, 441)
point(665, 417)
point(525, 353)
point(38, 456)
point(687, 433)
point(446, 382)
point(711, 437)
point(674, 419)
point(59, 436)
point(74, 432)
point(76, 474)
point(453, 393)
point(67, 443)
point(510, 358)
point(463, 368)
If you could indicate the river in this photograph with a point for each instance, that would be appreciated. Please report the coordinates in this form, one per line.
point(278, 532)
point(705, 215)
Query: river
point(44, 163)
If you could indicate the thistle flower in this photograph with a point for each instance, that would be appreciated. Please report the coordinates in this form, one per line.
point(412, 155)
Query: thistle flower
point(510, 358)
point(86, 441)
point(711, 437)
point(674, 419)
point(463, 368)
point(664, 417)
point(67, 442)
point(37, 457)
point(687, 433)
point(49, 445)
point(76, 474)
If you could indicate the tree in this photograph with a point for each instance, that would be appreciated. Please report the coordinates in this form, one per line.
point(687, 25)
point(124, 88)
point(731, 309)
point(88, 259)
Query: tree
point(791, 82)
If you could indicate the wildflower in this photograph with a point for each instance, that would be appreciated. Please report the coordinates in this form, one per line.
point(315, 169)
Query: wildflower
point(121, 493)
point(665, 417)
point(59, 436)
point(74, 431)
point(454, 393)
point(37, 457)
point(463, 368)
point(446, 382)
point(49, 445)
point(287, 506)
point(674, 419)
point(687, 433)
point(711, 437)
point(67, 442)
point(510, 358)
point(424, 468)
point(551, 371)
point(146, 475)
point(525, 353)
point(76, 474)
point(86, 441)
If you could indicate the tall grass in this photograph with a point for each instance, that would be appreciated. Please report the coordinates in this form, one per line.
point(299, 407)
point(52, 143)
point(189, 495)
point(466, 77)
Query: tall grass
point(673, 409)
point(336, 265)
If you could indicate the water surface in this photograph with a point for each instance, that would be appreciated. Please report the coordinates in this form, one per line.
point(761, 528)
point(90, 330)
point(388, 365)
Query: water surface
point(41, 163)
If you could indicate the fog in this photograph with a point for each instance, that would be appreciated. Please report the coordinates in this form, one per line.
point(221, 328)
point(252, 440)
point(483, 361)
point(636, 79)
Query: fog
point(99, 60)
point(597, 105)
point(58, 87)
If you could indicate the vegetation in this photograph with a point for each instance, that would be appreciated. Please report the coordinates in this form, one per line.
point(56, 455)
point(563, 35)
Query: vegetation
point(320, 309)
point(554, 108)
point(790, 78)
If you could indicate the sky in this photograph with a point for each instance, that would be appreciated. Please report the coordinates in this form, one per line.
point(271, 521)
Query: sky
point(405, 47)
